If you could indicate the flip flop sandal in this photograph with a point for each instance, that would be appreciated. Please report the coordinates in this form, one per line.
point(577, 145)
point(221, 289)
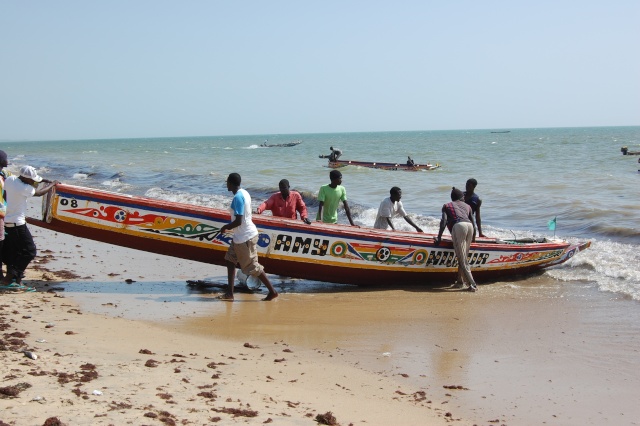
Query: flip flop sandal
point(15, 287)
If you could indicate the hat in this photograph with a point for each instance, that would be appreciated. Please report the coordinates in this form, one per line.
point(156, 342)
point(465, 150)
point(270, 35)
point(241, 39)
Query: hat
point(30, 173)
point(456, 194)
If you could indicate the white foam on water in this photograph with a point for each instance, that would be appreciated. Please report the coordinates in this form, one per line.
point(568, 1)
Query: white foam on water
point(116, 184)
point(206, 200)
point(614, 267)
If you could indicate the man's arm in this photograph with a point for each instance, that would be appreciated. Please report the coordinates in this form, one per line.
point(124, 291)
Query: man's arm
point(236, 222)
point(302, 209)
point(237, 209)
point(348, 212)
point(43, 190)
point(262, 207)
point(478, 219)
point(410, 222)
point(266, 205)
point(319, 215)
point(443, 223)
point(390, 223)
point(473, 222)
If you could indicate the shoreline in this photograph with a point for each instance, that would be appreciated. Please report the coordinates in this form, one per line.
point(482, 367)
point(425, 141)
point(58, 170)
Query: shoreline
point(92, 369)
point(526, 352)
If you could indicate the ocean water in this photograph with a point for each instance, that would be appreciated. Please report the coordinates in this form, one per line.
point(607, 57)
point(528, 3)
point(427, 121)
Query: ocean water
point(525, 178)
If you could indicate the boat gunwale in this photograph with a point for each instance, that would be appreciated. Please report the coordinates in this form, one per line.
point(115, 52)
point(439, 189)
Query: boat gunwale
point(284, 224)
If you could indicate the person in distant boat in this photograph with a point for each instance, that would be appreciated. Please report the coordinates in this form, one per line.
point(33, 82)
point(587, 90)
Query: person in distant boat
point(391, 207)
point(286, 203)
point(329, 198)
point(335, 154)
point(474, 201)
point(243, 249)
point(458, 218)
point(19, 248)
point(410, 162)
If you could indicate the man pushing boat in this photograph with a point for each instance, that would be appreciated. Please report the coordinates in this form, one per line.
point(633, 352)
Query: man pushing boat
point(243, 249)
point(458, 218)
point(286, 203)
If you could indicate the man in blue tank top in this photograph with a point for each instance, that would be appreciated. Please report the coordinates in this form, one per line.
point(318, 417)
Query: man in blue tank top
point(243, 249)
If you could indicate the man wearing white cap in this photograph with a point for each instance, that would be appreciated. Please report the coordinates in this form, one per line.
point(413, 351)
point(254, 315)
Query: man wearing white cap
point(19, 248)
point(4, 162)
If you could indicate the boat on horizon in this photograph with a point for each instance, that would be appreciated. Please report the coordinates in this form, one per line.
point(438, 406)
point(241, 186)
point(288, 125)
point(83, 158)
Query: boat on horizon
point(383, 166)
point(323, 252)
point(280, 145)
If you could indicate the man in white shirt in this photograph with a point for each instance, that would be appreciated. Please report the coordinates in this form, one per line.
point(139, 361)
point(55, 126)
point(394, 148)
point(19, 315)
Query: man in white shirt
point(243, 249)
point(19, 248)
point(391, 207)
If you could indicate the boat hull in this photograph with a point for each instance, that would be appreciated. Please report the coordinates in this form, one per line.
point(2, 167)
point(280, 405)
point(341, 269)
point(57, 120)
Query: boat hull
point(323, 252)
point(383, 166)
point(281, 145)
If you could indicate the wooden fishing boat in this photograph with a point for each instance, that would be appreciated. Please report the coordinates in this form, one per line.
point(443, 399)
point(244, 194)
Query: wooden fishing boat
point(323, 252)
point(281, 145)
point(625, 151)
point(384, 166)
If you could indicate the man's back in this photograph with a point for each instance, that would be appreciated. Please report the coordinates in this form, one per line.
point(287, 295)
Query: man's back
point(18, 193)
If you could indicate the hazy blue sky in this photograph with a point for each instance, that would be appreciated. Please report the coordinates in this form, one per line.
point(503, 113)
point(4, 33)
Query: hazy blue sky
point(112, 69)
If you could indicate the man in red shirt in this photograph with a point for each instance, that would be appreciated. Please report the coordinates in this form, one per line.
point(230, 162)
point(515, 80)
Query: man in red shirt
point(285, 203)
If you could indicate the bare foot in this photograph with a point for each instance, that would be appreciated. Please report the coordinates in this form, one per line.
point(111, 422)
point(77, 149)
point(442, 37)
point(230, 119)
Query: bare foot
point(270, 296)
point(226, 297)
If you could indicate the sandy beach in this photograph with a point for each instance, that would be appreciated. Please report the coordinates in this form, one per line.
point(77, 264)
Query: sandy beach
point(156, 351)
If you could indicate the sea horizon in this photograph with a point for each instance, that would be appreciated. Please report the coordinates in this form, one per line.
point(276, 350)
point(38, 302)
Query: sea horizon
point(13, 140)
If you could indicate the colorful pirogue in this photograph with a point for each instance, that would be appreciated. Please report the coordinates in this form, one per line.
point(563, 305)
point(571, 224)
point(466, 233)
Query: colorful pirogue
point(384, 166)
point(324, 252)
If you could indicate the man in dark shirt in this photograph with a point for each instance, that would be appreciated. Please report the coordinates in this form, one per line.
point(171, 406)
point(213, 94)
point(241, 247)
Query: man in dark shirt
point(457, 217)
point(474, 201)
point(335, 154)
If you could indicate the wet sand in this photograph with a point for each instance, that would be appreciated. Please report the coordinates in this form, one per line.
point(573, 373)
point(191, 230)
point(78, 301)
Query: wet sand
point(535, 351)
point(530, 352)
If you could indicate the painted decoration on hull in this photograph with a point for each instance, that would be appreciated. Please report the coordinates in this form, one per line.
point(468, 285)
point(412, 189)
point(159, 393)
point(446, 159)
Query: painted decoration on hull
point(311, 245)
point(159, 224)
